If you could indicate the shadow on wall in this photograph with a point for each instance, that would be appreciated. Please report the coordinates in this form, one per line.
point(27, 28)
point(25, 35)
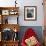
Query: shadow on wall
point(37, 29)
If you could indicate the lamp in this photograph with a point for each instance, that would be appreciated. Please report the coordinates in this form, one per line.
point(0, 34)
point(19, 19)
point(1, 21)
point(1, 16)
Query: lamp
point(15, 30)
point(15, 37)
point(15, 3)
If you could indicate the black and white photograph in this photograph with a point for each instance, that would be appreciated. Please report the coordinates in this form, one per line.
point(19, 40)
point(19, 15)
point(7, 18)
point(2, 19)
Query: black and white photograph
point(30, 12)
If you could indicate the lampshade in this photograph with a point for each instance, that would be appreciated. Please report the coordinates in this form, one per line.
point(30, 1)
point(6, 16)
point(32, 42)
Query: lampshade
point(15, 30)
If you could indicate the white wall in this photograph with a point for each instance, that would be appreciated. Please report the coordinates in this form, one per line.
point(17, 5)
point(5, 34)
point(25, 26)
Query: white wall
point(21, 4)
point(40, 15)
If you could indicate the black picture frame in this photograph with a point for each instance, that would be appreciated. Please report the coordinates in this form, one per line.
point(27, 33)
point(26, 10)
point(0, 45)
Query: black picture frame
point(30, 13)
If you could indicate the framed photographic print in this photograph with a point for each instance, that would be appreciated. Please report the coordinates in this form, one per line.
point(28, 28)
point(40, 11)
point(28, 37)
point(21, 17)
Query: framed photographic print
point(30, 13)
point(0, 36)
point(5, 12)
point(0, 19)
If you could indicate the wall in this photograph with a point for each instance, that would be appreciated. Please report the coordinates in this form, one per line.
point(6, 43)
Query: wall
point(45, 14)
point(21, 4)
point(40, 16)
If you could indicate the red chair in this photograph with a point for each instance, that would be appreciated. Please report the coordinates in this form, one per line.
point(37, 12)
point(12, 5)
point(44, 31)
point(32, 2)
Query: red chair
point(29, 33)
